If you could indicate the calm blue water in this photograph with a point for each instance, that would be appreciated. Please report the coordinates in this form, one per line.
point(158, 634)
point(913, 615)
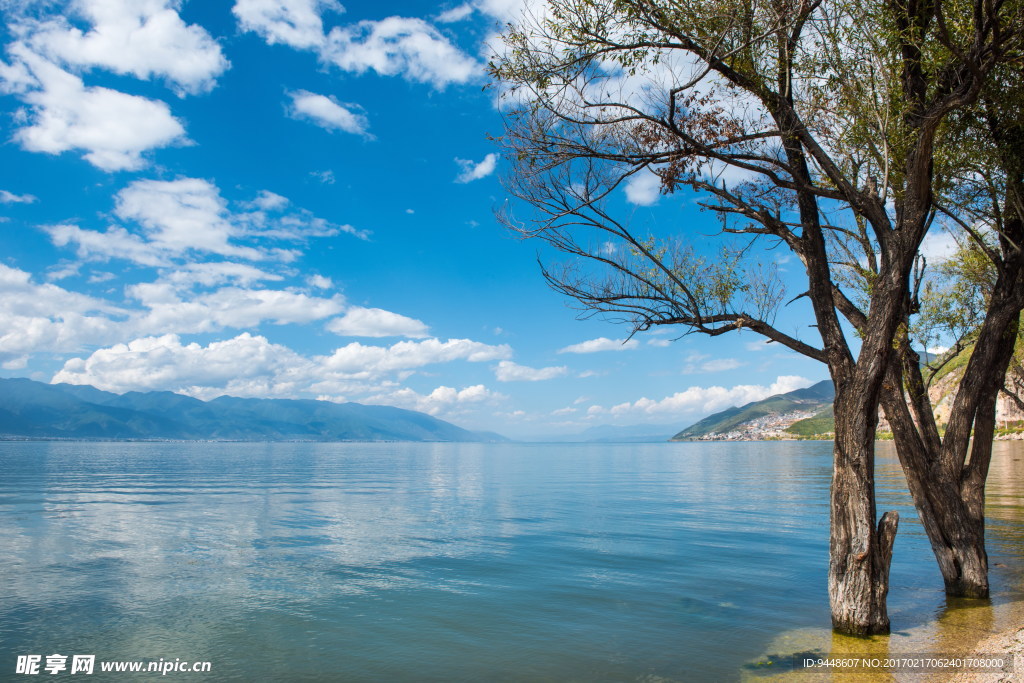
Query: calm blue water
point(442, 562)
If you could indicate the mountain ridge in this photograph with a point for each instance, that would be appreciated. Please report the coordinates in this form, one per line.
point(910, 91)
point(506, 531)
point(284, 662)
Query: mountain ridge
point(761, 418)
point(30, 409)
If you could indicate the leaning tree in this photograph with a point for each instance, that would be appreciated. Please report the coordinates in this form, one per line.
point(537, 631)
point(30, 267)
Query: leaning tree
point(835, 130)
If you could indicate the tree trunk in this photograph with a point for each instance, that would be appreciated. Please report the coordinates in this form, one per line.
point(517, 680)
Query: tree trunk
point(859, 552)
point(956, 536)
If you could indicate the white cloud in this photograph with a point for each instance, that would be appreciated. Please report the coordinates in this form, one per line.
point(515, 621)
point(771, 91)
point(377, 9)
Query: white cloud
point(269, 201)
point(47, 318)
point(325, 177)
point(509, 10)
point(938, 245)
point(703, 400)
point(643, 188)
point(246, 365)
point(317, 281)
point(716, 365)
point(181, 215)
point(186, 218)
point(19, 363)
point(358, 361)
point(296, 23)
point(507, 371)
point(399, 46)
point(475, 171)
point(721, 365)
point(216, 273)
point(441, 400)
point(112, 128)
point(457, 13)
point(395, 46)
point(250, 365)
point(145, 38)
point(601, 344)
point(11, 198)
point(376, 322)
point(328, 113)
point(115, 242)
point(661, 343)
point(756, 345)
point(228, 307)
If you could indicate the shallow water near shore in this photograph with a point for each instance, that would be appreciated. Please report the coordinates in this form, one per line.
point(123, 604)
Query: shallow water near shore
point(457, 562)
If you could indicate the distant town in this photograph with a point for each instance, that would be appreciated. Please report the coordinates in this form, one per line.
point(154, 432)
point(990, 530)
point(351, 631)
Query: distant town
point(767, 427)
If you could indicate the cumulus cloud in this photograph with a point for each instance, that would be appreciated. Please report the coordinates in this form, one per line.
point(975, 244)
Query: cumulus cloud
point(601, 344)
point(112, 128)
point(319, 282)
point(507, 371)
point(296, 23)
point(47, 318)
point(702, 399)
point(181, 215)
point(396, 46)
point(475, 171)
point(115, 242)
point(441, 400)
point(376, 322)
point(643, 188)
point(399, 46)
point(144, 38)
point(243, 366)
point(359, 361)
point(227, 307)
point(328, 113)
point(250, 365)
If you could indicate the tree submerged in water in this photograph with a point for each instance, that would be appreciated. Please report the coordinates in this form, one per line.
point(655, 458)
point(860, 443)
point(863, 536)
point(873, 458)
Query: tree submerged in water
point(841, 131)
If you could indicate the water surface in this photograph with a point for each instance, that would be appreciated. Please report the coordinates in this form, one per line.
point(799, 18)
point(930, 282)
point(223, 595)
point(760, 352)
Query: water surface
point(453, 562)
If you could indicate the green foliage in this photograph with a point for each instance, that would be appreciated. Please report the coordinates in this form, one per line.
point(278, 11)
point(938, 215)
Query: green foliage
point(821, 424)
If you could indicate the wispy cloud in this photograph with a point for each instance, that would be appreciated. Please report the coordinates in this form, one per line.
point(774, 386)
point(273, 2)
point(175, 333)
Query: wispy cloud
point(507, 371)
point(11, 198)
point(328, 113)
point(601, 344)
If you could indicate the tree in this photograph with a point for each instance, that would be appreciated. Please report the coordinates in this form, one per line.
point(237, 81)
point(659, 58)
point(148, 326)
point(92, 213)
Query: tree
point(838, 118)
point(983, 301)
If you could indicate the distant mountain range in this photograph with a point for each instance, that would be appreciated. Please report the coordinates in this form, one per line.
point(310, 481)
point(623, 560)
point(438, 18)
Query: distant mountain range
point(65, 411)
point(763, 417)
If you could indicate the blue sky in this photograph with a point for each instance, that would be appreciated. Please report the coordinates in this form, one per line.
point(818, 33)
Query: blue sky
point(295, 198)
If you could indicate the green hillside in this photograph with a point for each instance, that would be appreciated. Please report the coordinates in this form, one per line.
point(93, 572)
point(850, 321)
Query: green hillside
point(809, 399)
point(822, 423)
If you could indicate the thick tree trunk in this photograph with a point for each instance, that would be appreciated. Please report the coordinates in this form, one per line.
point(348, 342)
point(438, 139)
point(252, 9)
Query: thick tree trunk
point(859, 552)
point(949, 491)
point(956, 538)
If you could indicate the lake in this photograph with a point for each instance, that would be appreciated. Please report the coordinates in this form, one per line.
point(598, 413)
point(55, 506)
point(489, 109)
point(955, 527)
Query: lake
point(458, 562)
